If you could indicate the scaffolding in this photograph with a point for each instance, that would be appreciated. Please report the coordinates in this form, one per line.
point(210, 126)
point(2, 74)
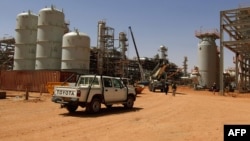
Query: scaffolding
point(111, 60)
point(235, 36)
point(7, 53)
point(105, 46)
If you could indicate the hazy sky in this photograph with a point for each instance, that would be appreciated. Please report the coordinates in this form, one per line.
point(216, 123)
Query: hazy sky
point(154, 22)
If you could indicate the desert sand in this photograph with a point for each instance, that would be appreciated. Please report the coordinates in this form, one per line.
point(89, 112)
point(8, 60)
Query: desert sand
point(189, 116)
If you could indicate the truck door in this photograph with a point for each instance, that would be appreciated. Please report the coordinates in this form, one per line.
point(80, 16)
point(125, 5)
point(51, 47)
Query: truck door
point(113, 90)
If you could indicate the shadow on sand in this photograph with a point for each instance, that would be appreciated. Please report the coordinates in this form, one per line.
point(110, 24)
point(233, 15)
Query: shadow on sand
point(103, 112)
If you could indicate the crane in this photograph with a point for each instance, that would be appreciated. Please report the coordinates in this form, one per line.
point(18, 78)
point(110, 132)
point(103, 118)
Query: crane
point(158, 77)
point(138, 57)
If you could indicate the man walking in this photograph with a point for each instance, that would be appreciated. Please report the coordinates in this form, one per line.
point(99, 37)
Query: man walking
point(174, 87)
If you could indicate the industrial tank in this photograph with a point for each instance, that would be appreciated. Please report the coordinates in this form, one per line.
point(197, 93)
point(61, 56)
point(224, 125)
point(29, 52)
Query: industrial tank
point(76, 52)
point(208, 59)
point(123, 44)
point(101, 44)
point(25, 46)
point(163, 51)
point(51, 27)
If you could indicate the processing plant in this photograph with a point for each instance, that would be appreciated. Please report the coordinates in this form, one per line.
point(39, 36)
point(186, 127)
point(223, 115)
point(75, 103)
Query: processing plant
point(46, 50)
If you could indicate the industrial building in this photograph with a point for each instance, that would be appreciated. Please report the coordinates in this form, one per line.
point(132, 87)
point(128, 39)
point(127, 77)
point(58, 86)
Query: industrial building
point(46, 50)
point(234, 35)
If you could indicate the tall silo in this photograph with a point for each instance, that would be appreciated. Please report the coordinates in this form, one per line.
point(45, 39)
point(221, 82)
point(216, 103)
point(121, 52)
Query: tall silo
point(101, 44)
point(25, 46)
point(51, 27)
point(123, 45)
point(208, 58)
point(76, 52)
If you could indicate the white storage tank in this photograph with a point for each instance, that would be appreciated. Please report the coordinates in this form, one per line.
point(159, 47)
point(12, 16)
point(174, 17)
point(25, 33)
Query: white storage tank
point(50, 31)
point(25, 46)
point(76, 52)
point(208, 58)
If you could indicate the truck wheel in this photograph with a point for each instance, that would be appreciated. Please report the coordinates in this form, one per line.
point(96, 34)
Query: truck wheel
point(71, 108)
point(129, 103)
point(95, 106)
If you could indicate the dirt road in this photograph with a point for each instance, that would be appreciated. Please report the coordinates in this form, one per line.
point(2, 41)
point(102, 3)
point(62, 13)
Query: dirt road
point(189, 116)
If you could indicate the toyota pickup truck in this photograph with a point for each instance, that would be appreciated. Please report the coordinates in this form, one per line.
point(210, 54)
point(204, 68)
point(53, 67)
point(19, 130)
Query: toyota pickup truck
point(91, 91)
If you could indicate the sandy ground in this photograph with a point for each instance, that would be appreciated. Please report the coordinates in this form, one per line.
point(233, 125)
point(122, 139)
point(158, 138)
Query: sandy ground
point(189, 116)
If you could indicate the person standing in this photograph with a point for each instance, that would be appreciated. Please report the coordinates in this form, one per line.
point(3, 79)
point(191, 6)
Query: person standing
point(214, 87)
point(166, 88)
point(174, 87)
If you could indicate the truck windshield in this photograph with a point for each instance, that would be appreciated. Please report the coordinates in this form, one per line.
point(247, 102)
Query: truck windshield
point(88, 80)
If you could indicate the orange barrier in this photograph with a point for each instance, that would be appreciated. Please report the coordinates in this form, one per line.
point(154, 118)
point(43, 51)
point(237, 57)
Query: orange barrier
point(50, 86)
point(139, 89)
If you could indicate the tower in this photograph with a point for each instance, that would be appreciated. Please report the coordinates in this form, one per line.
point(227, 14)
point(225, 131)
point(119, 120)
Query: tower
point(208, 59)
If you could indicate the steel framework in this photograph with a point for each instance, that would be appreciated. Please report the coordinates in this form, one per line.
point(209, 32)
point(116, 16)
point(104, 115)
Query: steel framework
point(6, 53)
point(235, 36)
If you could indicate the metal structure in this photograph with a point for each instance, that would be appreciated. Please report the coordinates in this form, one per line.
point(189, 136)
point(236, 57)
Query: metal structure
point(7, 53)
point(101, 45)
point(235, 36)
point(163, 50)
point(138, 57)
point(124, 47)
point(44, 44)
point(159, 76)
point(76, 52)
point(185, 67)
point(107, 55)
point(51, 28)
point(208, 59)
point(26, 36)
point(35, 81)
point(44, 47)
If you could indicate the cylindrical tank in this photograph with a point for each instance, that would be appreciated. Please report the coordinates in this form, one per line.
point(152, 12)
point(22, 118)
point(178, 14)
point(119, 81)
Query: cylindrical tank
point(122, 44)
point(50, 31)
point(25, 46)
point(208, 61)
point(101, 44)
point(76, 52)
point(163, 51)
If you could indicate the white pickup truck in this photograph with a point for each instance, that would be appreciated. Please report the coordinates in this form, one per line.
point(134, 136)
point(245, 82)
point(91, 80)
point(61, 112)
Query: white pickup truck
point(91, 91)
